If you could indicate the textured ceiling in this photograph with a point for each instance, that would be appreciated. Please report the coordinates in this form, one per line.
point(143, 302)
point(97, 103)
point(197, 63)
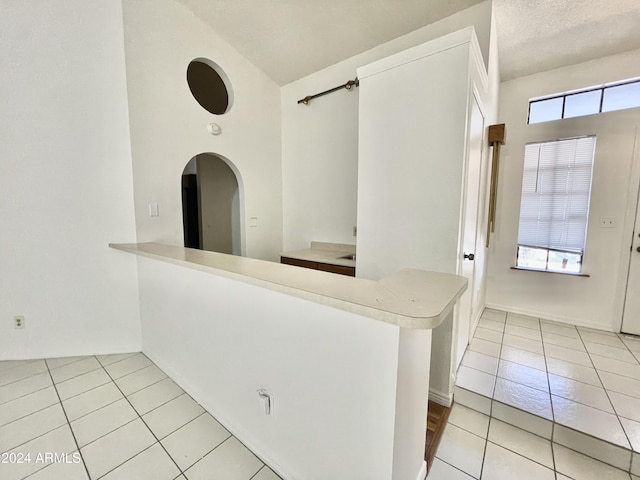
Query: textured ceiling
point(539, 35)
point(289, 39)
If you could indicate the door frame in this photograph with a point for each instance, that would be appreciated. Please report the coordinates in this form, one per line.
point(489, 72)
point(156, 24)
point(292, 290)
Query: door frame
point(474, 96)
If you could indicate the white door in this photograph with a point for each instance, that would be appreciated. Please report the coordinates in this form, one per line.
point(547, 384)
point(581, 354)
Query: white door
point(465, 308)
point(631, 316)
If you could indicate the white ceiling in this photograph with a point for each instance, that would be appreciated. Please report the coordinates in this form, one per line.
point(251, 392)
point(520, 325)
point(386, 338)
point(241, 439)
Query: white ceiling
point(539, 35)
point(289, 39)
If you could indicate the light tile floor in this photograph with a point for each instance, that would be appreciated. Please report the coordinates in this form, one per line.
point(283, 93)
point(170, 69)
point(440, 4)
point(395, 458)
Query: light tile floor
point(112, 417)
point(565, 376)
point(477, 446)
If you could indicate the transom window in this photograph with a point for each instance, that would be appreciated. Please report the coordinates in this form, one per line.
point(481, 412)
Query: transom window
point(554, 208)
point(608, 98)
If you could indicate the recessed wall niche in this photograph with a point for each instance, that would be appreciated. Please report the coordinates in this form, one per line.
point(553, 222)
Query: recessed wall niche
point(210, 86)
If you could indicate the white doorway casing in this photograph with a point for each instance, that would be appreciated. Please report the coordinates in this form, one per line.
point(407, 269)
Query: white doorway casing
point(468, 309)
point(220, 204)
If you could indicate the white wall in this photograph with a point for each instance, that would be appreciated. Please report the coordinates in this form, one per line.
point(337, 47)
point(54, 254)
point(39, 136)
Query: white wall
point(65, 181)
point(168, 126)
point(344, 386)
point(320, 141)
point(595, 301)
point(411, 162)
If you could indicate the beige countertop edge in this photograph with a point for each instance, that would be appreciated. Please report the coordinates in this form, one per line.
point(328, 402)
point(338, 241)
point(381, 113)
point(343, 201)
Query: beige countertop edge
point(409, 299)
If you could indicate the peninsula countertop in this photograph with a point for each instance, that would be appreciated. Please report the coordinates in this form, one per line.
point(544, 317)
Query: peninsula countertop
point(409, 298)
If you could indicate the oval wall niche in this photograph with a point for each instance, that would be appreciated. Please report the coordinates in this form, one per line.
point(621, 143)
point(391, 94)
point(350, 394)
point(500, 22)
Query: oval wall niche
point(210, 86)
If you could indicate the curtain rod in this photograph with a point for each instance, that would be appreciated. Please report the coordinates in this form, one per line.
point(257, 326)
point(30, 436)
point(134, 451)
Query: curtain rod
point(347, 86)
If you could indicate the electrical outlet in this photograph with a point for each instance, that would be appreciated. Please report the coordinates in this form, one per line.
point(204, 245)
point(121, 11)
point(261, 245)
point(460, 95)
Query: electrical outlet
point(154, 210)
point(18, 322)
point(607, 222)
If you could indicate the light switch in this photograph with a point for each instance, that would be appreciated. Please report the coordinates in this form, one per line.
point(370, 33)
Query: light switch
point(253, 221)
point(154, 210)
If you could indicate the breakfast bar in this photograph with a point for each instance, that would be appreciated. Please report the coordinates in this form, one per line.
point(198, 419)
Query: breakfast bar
point(344, 361)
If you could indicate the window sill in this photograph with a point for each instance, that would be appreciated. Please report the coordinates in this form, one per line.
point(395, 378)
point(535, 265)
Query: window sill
point(550, 271)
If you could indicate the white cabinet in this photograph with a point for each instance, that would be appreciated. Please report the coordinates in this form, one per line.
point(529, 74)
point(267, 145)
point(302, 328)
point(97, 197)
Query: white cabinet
point(421, 176)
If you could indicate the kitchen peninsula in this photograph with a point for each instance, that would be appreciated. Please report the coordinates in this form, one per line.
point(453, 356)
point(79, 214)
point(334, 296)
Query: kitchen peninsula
point(345, 360)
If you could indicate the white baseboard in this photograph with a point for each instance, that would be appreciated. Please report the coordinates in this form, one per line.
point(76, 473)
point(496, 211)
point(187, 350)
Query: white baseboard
point(422, 474)
point(547, 316)
point(440, 398)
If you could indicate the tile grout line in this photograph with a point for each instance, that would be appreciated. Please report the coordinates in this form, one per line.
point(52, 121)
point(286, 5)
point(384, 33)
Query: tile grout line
point(102, 385)
point(553, 413)
point(457, 468)
point(504, 446)
point(136, 455)
point(547, 373)
point(132, 354)
point(105, 434)
point(77, 359)
point(27, 394)
point(86, 391)
point(627, 348)
point(162, 404)
point(220, 444)
point(109, 381)
point(64, 411)
point(613, 407)
point(520, 454)
point(146, 425)
point(491, 417)
point(495, 384)
point(26, 362)
point(36, 437)
point(261, 468)
point(93, 411)
point(140, 370)
point(79, 375)
point(553, 422)
point(615, 413)
point(144, 388)
point(592, 436)
point(231, 435)
point(498, 444)
point(555, 471)
point(97, 409)
point(129, 373)
point(31, 413)
point(27, 376)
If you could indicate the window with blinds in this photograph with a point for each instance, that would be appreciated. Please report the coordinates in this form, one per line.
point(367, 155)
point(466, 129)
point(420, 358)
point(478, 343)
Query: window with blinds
point(556, 189)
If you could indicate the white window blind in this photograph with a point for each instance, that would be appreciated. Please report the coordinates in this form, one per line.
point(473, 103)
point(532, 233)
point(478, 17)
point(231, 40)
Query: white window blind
point(556, 188)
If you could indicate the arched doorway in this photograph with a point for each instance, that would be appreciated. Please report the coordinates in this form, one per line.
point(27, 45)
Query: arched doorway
point(211, 205)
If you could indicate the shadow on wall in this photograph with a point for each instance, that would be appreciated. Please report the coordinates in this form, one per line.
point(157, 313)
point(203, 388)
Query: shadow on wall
point(211, 205)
